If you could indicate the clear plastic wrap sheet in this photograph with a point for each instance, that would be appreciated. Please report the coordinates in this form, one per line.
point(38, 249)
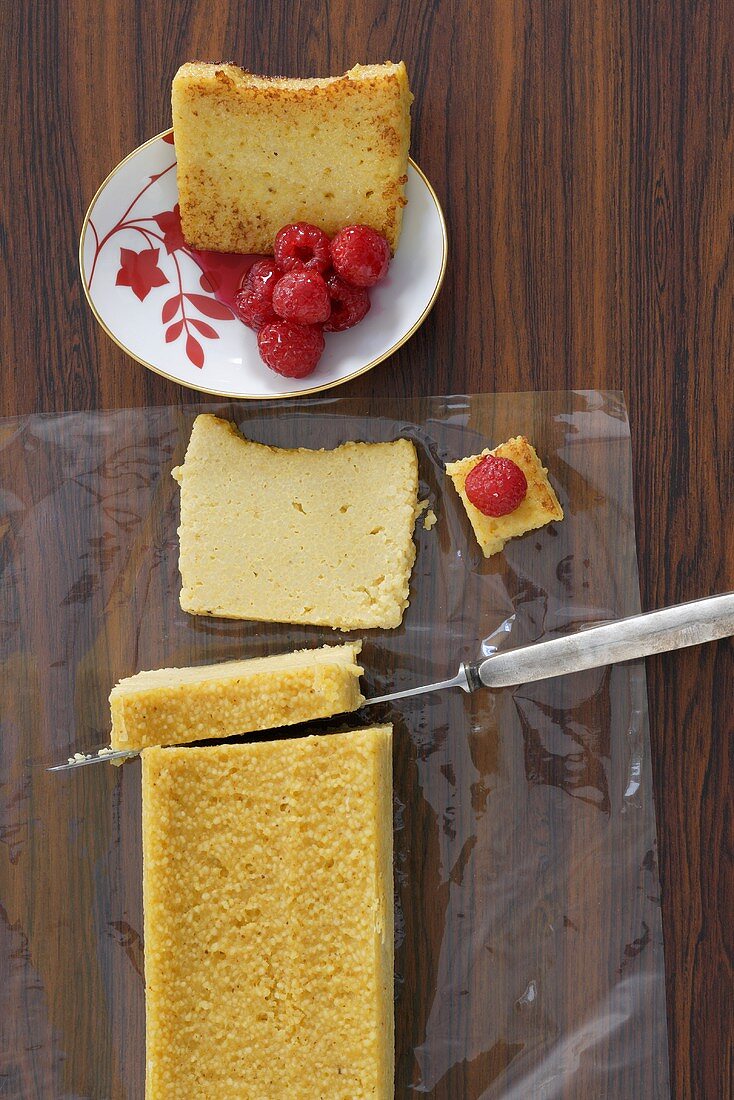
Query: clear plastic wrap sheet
point(529, 958)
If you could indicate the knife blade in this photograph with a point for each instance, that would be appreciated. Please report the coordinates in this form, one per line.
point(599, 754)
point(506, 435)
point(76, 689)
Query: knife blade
point(670, 628)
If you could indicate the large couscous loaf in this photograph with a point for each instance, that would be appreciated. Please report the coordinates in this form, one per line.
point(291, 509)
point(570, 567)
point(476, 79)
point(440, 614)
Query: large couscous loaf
point(268, 900)
point(170, 706)
point(296, 536)
point(256, 153)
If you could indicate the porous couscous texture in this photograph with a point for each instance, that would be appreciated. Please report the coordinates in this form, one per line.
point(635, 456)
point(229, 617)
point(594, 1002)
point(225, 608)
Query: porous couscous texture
point(296, 536)
point(256, 153)
point(170, 706)
point(268, 899)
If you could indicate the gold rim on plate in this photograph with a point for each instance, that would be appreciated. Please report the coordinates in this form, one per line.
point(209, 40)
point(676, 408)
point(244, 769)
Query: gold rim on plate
point(258, 396)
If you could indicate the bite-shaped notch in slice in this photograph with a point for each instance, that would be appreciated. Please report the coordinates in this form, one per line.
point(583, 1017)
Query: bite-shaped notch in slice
point(256, 153)
point(268, 906)
point(296, 536)
point(171, 706)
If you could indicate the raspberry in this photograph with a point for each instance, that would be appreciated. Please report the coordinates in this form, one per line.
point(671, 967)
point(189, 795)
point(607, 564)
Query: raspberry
point(253, 308)
point(349, 304)
point(302, 245)
point(262, 277)
point(302, 296)
point(253, 302)
point(290, 349)
point(496, 486)
point(360, 255)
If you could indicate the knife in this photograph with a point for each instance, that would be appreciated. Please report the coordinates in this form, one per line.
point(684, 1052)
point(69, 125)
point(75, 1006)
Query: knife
point(670, 628)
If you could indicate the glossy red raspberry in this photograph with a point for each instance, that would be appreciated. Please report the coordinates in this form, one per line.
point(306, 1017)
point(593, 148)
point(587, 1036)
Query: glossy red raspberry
point(496, 486)
point(290, 349)
point(253, 302)
point(262, 277)
point(360, 255)
point(302, 296)
point(349, 304)
point(254, 309)
point(302, 245)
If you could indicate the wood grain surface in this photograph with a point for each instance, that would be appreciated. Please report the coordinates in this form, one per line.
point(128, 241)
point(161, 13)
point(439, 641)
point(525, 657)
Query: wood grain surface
point(584, 154)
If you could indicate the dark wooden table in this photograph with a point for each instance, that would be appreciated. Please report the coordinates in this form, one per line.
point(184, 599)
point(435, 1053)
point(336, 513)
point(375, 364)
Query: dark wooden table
point(584, 153)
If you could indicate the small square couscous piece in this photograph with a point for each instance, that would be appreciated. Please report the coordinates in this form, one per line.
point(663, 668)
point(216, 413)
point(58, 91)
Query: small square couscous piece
point(296, 536)
point(539, 507)
point(170, 706)
point(256, 153)
point(268, 913)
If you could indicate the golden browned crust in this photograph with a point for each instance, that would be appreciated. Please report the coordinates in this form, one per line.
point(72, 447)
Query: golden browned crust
point(255, 153)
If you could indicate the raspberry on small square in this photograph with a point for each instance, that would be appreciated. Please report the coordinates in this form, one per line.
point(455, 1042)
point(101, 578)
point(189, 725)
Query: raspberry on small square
point(539, 507)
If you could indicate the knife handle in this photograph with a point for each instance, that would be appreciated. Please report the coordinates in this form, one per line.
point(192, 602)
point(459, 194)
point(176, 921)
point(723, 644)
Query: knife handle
point(671, 628)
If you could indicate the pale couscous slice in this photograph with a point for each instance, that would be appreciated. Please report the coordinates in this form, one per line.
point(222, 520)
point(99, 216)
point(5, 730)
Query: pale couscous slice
point(296, 536)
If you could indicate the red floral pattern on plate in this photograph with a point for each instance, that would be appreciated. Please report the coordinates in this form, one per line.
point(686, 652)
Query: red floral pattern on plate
point(135, 209)
point(140, 271)
point(169, 223)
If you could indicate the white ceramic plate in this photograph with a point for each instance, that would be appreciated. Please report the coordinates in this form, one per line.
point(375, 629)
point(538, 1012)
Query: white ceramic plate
point(158, 300)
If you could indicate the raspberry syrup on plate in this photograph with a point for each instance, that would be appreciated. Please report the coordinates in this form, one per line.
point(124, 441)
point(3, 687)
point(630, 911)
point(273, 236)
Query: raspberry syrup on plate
point(222, 273)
